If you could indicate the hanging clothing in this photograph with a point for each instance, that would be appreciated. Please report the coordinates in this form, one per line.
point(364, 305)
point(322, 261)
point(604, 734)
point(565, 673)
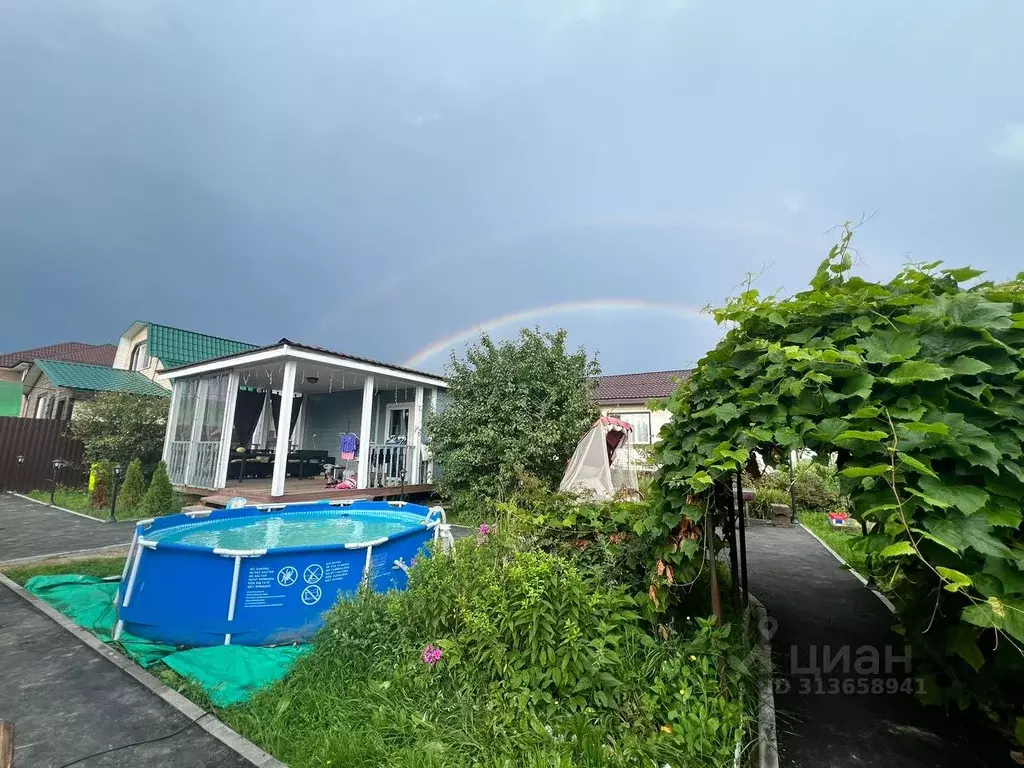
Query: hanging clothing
point(349, 446)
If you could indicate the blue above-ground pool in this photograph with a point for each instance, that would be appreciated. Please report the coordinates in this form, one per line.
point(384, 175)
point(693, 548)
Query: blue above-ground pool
point(264, 575)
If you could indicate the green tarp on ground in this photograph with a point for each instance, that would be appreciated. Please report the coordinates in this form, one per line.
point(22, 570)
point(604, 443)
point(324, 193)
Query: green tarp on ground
point(229, 674)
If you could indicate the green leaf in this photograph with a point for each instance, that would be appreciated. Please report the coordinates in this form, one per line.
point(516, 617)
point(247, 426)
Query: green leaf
point(964, 644)
point(862, 323)
point(966, 498)
point(1018, 732)
point(937, 428)
point(924, 469)
point(900, 548)
point(802, 337)
point(727, 412)
point(956, 579)
point(969, 366)
point(963, 274)
point(1005, 615)
point(854, 434)
point(888, 346)
point(874, 471)
point(910, 373)
point(959, 534)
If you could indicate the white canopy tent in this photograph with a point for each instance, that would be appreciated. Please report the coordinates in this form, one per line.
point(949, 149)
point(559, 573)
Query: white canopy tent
point(600, 468)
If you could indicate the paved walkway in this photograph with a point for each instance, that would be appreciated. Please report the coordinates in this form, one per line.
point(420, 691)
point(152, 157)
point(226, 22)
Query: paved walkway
point(28, 529)
point(821, 609)
point(67, 702)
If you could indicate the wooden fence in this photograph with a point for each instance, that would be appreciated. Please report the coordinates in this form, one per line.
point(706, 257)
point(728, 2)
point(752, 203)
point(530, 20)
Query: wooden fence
point(40, 442)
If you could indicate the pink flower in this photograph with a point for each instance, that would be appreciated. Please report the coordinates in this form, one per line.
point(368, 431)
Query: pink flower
point(432, 654)
point(486, 529)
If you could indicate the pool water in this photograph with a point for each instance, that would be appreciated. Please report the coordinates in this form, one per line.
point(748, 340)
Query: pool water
point(296, 529)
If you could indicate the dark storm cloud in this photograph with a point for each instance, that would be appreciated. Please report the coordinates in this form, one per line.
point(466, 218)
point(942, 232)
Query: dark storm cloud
point(374, 176)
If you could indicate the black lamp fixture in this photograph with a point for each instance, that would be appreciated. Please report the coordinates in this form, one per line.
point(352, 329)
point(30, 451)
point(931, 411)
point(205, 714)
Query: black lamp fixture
point(57, 464)
point(312, 379)
point(17, 482)
point(118, 474)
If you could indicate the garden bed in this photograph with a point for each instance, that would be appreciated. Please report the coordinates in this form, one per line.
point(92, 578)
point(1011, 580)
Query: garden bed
point(506, 655)
point(77, 500)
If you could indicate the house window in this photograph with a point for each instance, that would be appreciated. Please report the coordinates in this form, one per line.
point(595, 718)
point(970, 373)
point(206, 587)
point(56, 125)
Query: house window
point(640, 421)
point(140, 357)
point(60, 410)
point(43, 406)
point(70, 408)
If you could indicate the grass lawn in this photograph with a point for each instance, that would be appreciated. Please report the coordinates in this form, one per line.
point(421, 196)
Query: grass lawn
point(77, 500)
point(98, 566)
point(840, 539)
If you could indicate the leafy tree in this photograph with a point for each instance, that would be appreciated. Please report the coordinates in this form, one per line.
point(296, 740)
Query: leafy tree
point(917, 384)
point(102, 484)
point(160, 499)
point(120, 426)
point(133, 490)
point(512, 410)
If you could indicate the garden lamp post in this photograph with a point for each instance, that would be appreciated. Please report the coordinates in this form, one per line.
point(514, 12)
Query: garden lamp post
point(240, 450)
point(57, 464)
point(17, 481)
point(792, 487)
point(118, 472)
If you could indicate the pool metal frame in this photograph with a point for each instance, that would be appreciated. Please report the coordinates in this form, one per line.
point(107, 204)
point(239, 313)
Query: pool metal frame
point(434, 520)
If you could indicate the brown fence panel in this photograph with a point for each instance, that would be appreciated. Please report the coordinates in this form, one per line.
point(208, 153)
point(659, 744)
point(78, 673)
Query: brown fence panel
point(40, 441)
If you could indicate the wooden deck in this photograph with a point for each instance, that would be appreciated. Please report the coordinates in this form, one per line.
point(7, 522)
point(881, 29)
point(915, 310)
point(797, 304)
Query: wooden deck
point(307, 489)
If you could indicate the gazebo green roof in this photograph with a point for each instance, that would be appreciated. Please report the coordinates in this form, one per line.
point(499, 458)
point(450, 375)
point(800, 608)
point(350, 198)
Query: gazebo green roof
point(98, 378)
point(175, 347)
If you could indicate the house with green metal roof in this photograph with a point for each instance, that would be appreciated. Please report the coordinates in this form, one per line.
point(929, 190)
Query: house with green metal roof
point(150, 349)
point(53, 387)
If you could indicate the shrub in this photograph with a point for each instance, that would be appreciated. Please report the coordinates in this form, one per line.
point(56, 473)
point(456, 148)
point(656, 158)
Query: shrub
point(101, 484)
point(121, 426)
point(133, 490)
point(766, 496)
point(916, 384)
point(160, 499)
point(512, 411)
point(815, 485)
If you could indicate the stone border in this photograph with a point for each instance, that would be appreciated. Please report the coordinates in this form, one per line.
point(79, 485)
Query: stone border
point(189, 709)
point(54, 506)
point(75, 554)
point(884, 600)
point(767, 738)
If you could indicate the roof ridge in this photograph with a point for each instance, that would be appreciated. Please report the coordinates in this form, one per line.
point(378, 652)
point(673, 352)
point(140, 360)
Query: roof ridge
point(645, 373)
point(48, 361)
point(206, 335)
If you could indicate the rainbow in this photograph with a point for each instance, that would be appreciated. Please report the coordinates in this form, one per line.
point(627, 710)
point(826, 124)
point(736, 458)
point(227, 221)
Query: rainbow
point(528, 315)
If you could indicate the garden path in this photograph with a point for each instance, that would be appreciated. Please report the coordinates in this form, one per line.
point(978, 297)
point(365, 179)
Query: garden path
point(29, 530)
point(821, 611)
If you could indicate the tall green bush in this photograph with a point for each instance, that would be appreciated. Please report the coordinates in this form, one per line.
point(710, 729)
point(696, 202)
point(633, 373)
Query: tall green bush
point(160, 499)
point(133, 489)
point(918, 384)
point(512, 410)
point(101, 484)
point(121, 426)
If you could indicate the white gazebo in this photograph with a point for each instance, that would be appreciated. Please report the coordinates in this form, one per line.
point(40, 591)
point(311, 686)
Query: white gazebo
point(289, 407)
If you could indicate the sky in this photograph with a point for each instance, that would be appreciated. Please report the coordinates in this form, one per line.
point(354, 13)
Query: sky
point(386, 178)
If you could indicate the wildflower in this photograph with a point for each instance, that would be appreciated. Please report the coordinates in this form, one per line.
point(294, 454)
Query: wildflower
point(692, 657)
point(432, 654)
point(666, 729)
point(486, 530)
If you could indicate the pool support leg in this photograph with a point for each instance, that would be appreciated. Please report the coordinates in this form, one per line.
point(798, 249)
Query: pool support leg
point(234, 596)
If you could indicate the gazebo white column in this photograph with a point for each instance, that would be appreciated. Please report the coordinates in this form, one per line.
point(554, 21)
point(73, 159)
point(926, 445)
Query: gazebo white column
point(284, 421)
point(364, 434)
point(227, 430)
point(417, 432)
